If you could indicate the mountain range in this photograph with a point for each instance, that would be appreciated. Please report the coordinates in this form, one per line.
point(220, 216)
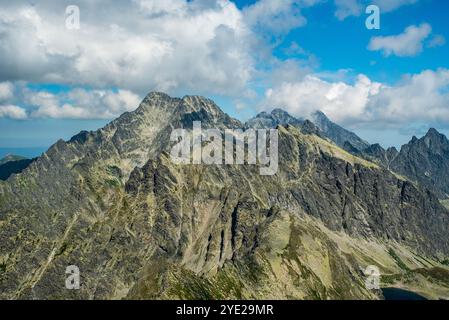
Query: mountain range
point(424, 161)
point(138, 226)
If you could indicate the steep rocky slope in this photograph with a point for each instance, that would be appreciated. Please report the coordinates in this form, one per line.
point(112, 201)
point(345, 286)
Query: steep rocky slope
point(426, 161)
point(337, 133)
point(138, 226)
point(378, 154)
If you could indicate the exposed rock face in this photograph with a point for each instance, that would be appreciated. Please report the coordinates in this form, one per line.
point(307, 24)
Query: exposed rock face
point(138, 226)
point(336, 133)
point(426, 161)
point(379, 155)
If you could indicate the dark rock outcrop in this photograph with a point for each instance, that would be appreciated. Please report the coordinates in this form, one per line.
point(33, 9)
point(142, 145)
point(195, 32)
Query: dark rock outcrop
point(11, 167)
point(426, 161)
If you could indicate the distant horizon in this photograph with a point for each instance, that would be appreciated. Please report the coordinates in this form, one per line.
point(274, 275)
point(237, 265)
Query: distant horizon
point(31, 152)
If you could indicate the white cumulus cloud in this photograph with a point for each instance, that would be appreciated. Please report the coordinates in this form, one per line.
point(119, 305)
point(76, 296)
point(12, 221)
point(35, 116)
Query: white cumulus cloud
point(175, 46)
point(6, 90)
point(277, 16)
point(207, 47)
point(407, 44)
point(81, 103)
point(12, 112)
point(339, 100)
point(419, 97)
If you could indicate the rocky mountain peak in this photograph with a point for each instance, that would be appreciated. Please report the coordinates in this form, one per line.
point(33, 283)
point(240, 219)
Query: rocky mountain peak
point(201, 104)
point(282, 114)
point(283, 117)
point(155, 95)
point(392, 152)
point(426, 160)
point(435, 139)
point(337, 133)
point(276, 117)
point(156, 100)
point(161, 102)
point(326, 127)
point(433, 133)
point(308, 127)
point(320, 115)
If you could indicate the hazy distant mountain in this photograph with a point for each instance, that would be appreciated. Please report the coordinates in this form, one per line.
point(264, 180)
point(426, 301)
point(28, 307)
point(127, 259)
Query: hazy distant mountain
point(334, 132)
point(337, 133)
point(139, 226)
point(277, 117)
point(10, 157)
point(12, 164)
point(28, 153)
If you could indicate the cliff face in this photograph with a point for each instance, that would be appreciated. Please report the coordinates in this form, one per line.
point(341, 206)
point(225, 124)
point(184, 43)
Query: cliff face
point(138, 226)
point(426, 161)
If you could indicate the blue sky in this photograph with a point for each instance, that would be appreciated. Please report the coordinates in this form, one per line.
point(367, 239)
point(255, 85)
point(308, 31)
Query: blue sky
point(300, 55)
point(342, 44)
